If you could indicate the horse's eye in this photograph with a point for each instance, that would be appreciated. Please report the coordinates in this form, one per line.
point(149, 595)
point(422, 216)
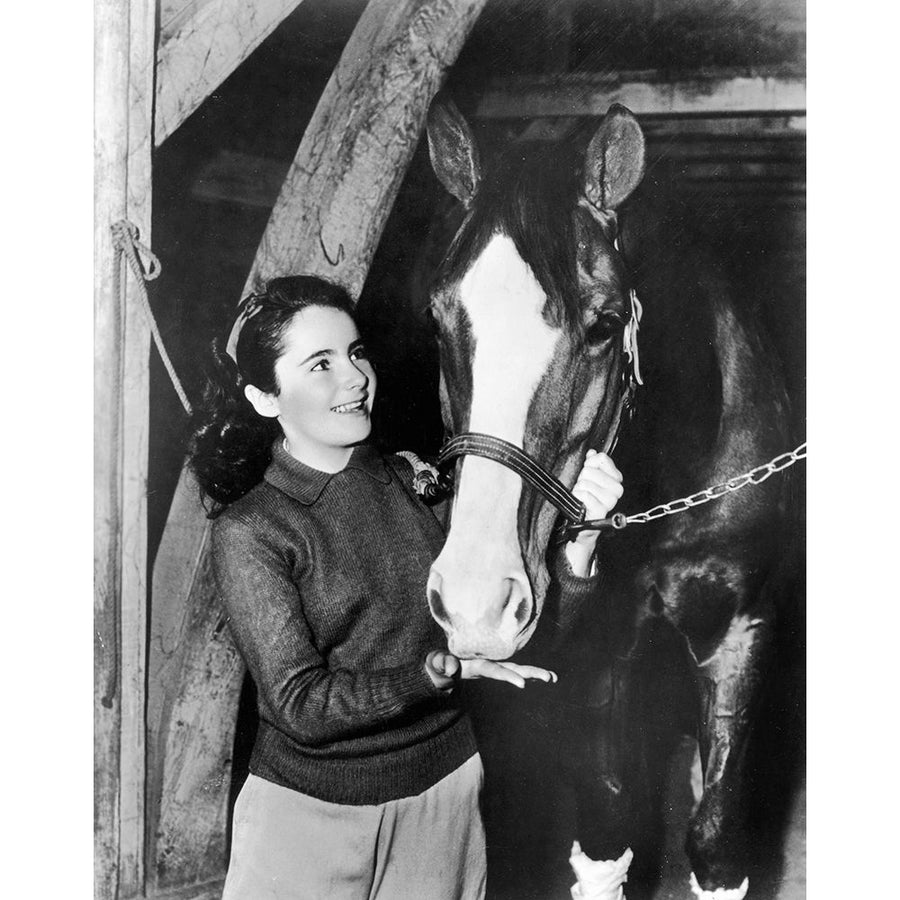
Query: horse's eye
point(604, 327)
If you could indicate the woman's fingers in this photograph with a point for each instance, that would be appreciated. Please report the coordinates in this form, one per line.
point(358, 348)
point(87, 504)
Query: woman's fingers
point(599, 485)
point(601, 462)
point(511, 673)
point(533, 672)
point(444, 663)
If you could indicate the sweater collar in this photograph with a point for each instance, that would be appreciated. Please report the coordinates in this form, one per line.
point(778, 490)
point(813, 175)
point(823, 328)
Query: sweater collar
point(304, 483)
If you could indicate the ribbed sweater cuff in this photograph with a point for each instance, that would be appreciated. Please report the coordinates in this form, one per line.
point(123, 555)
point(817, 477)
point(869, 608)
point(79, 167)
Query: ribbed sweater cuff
point(574, 588)
point(407, 686)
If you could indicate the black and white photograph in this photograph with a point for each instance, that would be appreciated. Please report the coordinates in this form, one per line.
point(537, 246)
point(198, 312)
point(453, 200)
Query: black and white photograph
point(450, 450)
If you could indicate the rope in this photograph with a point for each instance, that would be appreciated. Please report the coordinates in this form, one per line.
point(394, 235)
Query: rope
point(126, 241)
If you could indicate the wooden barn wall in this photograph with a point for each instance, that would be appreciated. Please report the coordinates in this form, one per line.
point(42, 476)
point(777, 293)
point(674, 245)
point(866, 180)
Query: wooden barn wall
point(218, 172)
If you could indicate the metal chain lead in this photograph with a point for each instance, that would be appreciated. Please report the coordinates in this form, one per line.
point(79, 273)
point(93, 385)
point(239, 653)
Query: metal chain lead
point(754, 476)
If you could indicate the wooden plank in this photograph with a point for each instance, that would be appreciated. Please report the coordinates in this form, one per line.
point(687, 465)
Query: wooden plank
point(196, 676)
point(110, 179)
point(645, 94)
point(202, 46)
point(343, 181)
point(125, 52)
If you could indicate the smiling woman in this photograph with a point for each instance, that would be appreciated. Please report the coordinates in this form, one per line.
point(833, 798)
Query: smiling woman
point(326, 386)
point(364, 763)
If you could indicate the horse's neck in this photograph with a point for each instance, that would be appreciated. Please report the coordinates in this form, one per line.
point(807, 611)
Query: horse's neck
point(717, 385)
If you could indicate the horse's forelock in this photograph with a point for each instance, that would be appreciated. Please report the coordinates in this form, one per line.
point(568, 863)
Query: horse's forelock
point(532, 201)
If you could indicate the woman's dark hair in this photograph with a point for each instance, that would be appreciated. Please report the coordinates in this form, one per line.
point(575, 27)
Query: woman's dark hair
point(231, 444)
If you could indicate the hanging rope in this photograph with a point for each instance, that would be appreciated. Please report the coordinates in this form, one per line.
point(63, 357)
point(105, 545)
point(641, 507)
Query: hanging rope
point(126, 242)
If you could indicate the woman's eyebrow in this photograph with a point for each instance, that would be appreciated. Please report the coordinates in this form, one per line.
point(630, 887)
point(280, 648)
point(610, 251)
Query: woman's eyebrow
point(317, 353)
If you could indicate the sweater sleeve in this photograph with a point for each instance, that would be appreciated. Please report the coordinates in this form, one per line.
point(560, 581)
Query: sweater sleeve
point(296, 690)
point(568, 591)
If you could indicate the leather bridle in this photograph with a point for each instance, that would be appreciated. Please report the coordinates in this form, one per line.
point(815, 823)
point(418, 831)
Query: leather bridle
point(529, 470)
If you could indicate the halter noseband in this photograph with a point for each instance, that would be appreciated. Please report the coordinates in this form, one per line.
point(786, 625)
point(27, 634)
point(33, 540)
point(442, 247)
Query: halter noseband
point(531, 471)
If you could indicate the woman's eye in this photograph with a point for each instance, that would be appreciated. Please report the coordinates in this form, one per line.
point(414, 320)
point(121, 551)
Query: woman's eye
point(320, 366)
point(359, 353)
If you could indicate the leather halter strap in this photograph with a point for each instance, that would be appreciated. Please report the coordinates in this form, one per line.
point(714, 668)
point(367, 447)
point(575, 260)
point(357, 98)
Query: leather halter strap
point(516, 459)
point(473, 443)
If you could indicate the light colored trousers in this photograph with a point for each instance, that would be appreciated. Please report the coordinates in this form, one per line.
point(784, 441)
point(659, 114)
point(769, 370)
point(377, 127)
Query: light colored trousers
point(289, 846)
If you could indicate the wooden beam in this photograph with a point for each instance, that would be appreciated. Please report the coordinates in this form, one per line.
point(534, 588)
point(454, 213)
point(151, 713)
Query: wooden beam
point(340, 188)
point(202, 46)
point(124, 56)
point(645, 94)
point(338, 192)
point(196, 675)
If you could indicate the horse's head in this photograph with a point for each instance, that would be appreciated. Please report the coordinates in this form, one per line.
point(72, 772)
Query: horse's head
point(530, 305)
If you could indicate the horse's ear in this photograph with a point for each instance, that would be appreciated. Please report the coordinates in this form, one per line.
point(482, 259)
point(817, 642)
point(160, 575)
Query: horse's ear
point(453, 152)
point(614, 162)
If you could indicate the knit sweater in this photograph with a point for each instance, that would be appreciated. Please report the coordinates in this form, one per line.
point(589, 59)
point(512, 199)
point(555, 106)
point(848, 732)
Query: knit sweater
point(322, 577)
point(323, 581)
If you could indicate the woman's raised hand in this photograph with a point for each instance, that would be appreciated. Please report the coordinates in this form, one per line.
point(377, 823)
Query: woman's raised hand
point(444, 668)
point(599, 488)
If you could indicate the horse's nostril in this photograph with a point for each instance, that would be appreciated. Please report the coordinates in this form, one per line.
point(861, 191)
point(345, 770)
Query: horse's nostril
point(522, 611)
point(438, 610)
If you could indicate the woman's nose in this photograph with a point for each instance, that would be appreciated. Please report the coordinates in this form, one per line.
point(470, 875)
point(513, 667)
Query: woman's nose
point(356, 377)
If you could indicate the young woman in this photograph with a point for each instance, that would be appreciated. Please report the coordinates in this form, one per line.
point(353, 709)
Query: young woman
point(365, 777)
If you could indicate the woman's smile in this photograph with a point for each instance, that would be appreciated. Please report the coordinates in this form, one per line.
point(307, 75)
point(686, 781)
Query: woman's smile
point(357, 406)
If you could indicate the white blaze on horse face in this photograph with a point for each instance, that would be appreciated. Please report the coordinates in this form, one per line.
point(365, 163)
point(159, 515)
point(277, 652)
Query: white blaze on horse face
point(513, 343)
point(481, 576)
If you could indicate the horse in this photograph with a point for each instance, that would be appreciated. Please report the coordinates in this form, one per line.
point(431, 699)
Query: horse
point(558, 259)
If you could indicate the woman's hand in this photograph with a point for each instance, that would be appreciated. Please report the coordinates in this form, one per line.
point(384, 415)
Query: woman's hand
point(599, 488)
point(444, 668)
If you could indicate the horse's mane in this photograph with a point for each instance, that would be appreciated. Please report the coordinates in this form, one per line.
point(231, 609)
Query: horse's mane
point(529, 195)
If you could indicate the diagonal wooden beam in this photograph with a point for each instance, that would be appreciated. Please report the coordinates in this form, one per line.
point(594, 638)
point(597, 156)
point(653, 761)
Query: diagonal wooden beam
point(343, 181)
point(201, 46)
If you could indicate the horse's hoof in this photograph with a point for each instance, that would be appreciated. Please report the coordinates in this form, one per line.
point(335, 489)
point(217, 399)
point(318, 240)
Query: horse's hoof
point(721, 893)
point(600, 879)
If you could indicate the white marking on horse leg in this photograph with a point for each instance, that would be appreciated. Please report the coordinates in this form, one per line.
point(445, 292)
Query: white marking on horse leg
point(600, 879)
point(721, 893)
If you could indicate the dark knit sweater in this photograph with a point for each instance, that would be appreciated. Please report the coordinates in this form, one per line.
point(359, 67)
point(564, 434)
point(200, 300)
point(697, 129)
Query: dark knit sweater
point(323, 581)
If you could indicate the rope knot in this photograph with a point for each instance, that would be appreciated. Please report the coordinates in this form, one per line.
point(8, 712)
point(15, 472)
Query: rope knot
point(126, 238)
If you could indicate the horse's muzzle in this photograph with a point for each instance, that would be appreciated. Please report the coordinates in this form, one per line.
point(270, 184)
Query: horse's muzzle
point(493, 624)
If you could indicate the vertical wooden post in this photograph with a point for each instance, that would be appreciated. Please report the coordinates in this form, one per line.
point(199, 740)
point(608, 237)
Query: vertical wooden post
point(124, 61)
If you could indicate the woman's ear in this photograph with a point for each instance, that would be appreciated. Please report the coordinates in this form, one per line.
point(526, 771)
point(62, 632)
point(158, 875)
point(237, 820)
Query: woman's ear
point(265, 404)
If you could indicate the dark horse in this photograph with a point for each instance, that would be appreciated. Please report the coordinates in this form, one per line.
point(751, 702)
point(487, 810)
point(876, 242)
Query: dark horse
point(531, 303)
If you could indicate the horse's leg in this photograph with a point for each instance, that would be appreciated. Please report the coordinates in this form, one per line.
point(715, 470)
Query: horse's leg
point(608, 773)
point(637, 706)
point(729, 681)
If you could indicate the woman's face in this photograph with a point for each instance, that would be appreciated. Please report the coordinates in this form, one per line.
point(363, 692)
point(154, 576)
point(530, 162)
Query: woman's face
point(326, 387)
